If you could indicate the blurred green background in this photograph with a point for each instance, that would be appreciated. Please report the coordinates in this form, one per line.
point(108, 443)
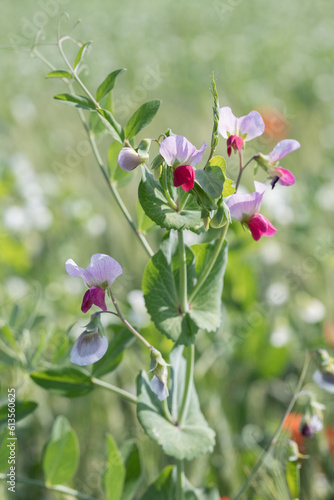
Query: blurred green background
point(276, 57)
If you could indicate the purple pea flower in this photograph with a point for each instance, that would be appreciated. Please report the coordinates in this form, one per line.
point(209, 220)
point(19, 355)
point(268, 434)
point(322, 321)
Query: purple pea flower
point(271, 162)
point(310, 425)
point(91, 345)
point(99, 275)
point(129, 159)
point(237, 131)
point(89, 348)
point(180, 154)
point(245, 208)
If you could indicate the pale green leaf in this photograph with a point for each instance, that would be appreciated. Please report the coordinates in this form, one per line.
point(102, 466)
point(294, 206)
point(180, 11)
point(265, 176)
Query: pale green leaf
point(108, 84)
point(141, 118)
point(59, 73)
point(81, 54)
point(66, 381)
point(114, 474)
point(78, 101)
point(61, 455)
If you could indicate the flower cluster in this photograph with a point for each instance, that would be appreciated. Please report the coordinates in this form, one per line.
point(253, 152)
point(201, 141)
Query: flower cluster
point(178, 154)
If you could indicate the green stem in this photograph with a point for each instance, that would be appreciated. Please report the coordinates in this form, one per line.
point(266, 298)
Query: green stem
point(118, 198)
point(171, 202)
point(73, 72)
point(241, 170)
point(190, 359)
point(183, 294)
point(275, 436)
point(120, 392)
point(58, 488)
point(211, 263)
point(179, 479)
point(183, 204)
point(127, 324)
point(167, 413)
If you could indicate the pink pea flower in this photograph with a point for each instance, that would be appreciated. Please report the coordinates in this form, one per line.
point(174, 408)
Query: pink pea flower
point(179, 153)
point(237, 131)
point(245, 208)
point(276, 173)
point(99, 275)
point(271, 162)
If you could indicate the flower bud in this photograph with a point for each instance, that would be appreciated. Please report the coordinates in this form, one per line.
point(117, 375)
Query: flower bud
point(158, 383)
point(129, 158)
point(324, 377)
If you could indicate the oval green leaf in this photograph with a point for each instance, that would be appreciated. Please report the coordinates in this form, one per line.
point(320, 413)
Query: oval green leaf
point(81, 54)
point(78, 101)
point(59, 73)
point(141, 118)
point(22, 410)
point(108, 84)
point(114, 474)
point(67, 381)
point(61, 455)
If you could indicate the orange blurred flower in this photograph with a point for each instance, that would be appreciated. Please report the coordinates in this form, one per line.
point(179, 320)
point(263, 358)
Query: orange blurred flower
point(292, 425)
point(276, 125)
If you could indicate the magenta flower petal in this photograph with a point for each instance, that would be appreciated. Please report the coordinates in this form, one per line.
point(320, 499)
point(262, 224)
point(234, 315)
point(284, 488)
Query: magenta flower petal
point(286, 178)
point(88, 348)
point(244, 206)
point(184, 176)
point(97, 296)
point(159, 388)
point(282, 149)
point(251, 125)
point(260, 226)
point(101, 272)
point(177, 150)
point(234, 142)
point(129, 159)
point(227, 122)
point(86, 302)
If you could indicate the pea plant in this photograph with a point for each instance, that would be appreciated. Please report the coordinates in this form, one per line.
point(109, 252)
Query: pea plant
point(182, 189)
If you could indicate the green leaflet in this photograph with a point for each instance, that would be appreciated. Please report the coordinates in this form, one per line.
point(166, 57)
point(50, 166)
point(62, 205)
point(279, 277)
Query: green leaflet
point(61, 455)
point(220, 162)
point(108, 84)
point(141, 118)
point(114, 475)
point(195, 437)
point(155, 204)
point(67, 381)
point(78, 101)
point(161, 288)
point(22, 410)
